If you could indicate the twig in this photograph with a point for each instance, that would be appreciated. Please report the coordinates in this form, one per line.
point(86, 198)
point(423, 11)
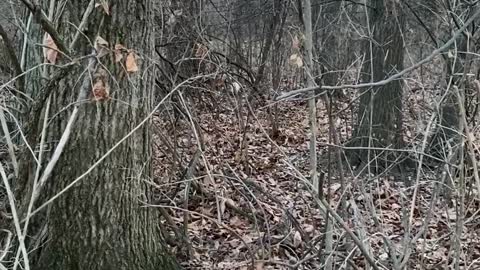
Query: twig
point(324, 204)
point(83, 92)
point(393, 77)
point(8, 139)
point(287, 212)
point(82, 24)
point(16, 220)
point(102, 158)
point(468, 135)
point(46, 25)
point(252, 255)
point(6, 246)
point(37, 172)
point(14, 59)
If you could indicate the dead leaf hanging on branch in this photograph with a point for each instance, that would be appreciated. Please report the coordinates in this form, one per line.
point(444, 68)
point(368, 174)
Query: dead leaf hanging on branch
point(296, 60)
point(50, 51)
point(131, 62)
point(119, 49)
point(104, 5)
point(295, 43)
point(101, 46)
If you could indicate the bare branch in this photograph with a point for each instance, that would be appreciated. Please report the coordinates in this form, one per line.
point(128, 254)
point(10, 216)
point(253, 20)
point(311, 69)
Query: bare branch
point(47, 25)
point(13, 57)
point(393, 77)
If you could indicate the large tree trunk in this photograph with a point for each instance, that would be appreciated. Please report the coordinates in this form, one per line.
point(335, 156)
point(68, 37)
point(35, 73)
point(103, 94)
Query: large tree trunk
point(380, 113)
point(100, 223)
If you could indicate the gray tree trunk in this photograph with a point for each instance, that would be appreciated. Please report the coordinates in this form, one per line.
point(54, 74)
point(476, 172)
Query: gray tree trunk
point(100, 222)
point(379, 119)
point(312, 109)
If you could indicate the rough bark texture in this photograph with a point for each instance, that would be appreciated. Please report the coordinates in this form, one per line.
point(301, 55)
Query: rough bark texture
point(447, 134)
point(99, 223)
point(333, 46)
point(270, 35)
point(380, 112)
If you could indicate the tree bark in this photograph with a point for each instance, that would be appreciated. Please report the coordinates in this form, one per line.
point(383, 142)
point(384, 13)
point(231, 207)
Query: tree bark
point(272, 31)
point(312, 109)
point(100, 223)
point(379, 119)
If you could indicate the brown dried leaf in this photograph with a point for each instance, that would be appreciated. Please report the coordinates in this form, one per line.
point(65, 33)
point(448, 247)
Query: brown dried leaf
point(201, 51)
point(259, 266)
point(236, 222)
point(101, 46)
point(105, 6)
point(100, 42)
point(131, 63)
point(119, 49)
point(296, 60)
point(50, 51)
point(295, 43)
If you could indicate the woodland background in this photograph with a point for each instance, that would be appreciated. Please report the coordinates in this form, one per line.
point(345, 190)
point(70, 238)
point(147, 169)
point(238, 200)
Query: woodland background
point(239, 134)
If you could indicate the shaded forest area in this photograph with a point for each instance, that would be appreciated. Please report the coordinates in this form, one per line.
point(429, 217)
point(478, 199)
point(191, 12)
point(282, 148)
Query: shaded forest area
point(239, 134)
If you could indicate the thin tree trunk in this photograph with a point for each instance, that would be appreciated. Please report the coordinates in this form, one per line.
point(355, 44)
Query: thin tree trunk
point(274, 25)
point(307, 18)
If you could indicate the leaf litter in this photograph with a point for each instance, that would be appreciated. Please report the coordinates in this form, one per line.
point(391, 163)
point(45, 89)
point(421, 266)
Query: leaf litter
point(269, 213)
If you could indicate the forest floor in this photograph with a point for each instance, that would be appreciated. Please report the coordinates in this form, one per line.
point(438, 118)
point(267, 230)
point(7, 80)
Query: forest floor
point(255, 207)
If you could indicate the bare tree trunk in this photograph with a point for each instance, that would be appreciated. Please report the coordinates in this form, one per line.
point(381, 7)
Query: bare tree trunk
point(307, 18)
point(277, 64)
point(100, 223)
point(272, 31)
point(380, 113)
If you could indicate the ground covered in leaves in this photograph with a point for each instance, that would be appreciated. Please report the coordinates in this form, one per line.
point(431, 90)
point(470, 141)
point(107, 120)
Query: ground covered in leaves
point(249, 203)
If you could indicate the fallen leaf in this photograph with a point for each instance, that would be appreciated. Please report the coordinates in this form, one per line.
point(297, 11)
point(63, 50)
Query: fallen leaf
point(222, 206)
point(230, 202)
point(236, 222)
point(131, 63)
point(50, 51)
point(309, 228)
